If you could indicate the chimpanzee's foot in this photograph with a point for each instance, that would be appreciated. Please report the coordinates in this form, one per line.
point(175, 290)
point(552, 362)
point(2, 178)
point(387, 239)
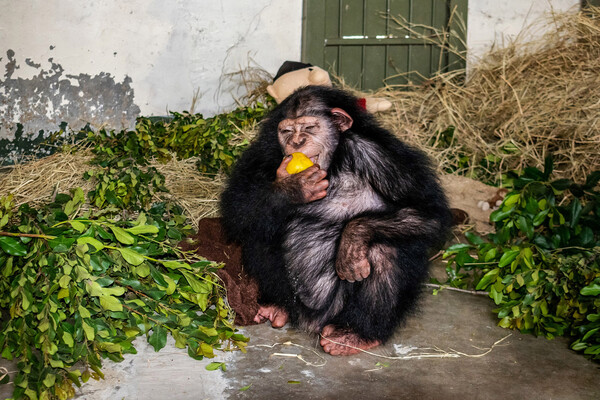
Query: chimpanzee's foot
point(346, 342)
point(278, 316)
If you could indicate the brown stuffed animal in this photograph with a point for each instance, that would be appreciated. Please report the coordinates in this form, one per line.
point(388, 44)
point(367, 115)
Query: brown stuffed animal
point(293, 75)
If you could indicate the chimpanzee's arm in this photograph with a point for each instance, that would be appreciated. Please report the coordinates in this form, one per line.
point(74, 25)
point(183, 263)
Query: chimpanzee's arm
point(251, 208)
point(417, 212)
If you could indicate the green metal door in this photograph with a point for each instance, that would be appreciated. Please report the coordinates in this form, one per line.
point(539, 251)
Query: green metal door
point(360, 40)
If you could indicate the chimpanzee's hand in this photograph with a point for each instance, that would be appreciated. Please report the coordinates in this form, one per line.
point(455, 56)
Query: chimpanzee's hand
point(351, 263)
point(303, 187)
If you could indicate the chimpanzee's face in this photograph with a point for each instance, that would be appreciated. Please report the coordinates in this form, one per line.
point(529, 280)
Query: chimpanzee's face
point(316, 137)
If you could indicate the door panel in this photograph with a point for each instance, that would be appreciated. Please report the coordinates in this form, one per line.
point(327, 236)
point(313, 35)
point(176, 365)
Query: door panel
point(355, 39)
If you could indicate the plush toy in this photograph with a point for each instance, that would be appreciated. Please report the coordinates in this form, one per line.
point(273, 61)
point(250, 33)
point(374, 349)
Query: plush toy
point(293, 75)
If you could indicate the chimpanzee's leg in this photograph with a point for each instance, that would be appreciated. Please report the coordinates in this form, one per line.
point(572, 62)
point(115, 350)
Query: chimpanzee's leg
point(276, 298)
point(377, 305)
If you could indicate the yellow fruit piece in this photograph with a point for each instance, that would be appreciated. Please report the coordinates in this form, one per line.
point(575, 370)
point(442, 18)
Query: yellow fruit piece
point(298, 163)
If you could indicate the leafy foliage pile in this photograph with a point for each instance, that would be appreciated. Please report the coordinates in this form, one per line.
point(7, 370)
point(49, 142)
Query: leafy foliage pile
point(80, 289)
point(80, 280)
point(542, 265)
point(216, 140)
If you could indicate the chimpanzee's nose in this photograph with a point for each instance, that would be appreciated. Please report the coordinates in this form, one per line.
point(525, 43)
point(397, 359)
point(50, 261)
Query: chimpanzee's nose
point(298, 141)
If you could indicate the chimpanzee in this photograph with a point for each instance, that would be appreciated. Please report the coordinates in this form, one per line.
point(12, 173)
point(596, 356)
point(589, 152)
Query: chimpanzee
point(342, 247)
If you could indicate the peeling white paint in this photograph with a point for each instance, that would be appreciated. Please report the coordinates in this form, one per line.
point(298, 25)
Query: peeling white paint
point(167, 51)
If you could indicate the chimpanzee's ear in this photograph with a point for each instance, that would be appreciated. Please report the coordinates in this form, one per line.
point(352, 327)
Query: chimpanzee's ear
point(341, 119)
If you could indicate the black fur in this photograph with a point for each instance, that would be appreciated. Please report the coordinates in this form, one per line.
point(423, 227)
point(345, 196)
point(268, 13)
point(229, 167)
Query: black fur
point(380, 182)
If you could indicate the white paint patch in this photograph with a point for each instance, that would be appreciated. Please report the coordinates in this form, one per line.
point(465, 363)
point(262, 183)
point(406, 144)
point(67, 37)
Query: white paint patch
point(402, 350)
point(264, 370)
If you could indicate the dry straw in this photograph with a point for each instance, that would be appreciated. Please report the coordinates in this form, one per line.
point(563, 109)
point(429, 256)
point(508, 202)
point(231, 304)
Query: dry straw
point(38, 181)
point(520, 103)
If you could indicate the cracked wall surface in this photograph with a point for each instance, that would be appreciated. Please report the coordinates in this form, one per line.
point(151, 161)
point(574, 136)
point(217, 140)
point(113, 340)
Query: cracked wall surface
point(105, 62)
point(51, 97)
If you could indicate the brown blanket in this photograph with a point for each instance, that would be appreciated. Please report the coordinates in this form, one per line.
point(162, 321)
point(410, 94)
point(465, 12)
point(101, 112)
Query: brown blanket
point(242, 290)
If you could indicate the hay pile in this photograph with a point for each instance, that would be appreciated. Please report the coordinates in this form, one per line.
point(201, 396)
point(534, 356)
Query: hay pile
point(520, 104)
point(37, 182)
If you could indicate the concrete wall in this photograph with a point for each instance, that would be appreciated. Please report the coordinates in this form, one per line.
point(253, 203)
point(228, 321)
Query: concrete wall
point(108, 61)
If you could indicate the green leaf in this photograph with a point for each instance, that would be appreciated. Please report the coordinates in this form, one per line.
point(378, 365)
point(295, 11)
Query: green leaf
point(131, 256)
point(122, 236)
point(208, 331)
point(508, 257)
point(548, 166)
point(6, 354)
point(561, 184)
point(158, 338)
point(113, 291)
point(591, 290)
point(474, 239)
point(511, 199)
point(93, 288)
point(77, 225)
point(501, 214)
point(110, 347)
point(90, 240)
point(496, 296)
point(576, 209)
point(176, 265)
point(171, 285)
point(68, 339)
point(458, 247)
point(63, 282)
point(143, 270)
point(61, 244)
point(12, 246)
point(207, 351)
point(244, 388)
point(197, 285)
point(49, 380)
point(487, 279)
point(158, 277)
point(141, 229)
point(88, 330)
point(213, 366)
point(589, 334)
point(540, 217)
point(110, 303)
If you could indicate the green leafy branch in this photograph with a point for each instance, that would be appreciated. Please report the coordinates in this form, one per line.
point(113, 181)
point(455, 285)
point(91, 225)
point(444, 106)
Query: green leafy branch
point(76, 289)
point(541, 267)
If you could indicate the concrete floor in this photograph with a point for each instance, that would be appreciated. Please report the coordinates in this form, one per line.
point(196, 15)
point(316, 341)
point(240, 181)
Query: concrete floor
point(518, 367)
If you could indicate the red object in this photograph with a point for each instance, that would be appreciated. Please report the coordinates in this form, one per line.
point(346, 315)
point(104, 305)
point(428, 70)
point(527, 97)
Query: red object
point(362, 103)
